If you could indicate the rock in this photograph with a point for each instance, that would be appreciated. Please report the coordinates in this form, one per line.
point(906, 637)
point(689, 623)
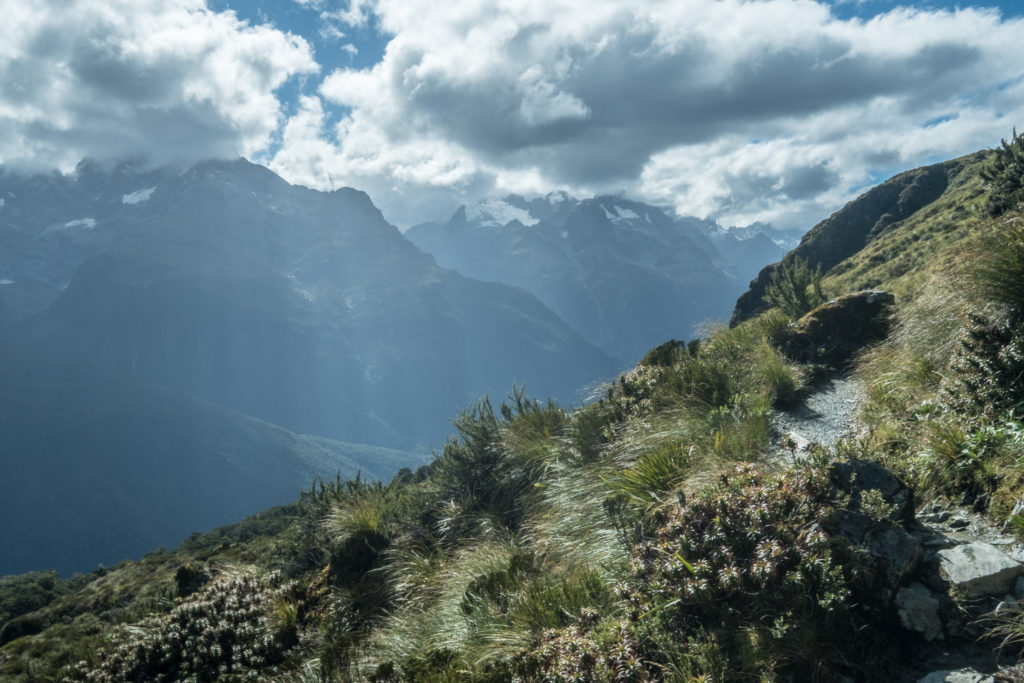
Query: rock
point(918, 610)
point(979, 569)
point(795, 442)
point(935, 517)
point(835, 330)
point(1018, 587)
point(896, 553)
point(859, 476)
point(966, 675)
point(959, 523)
point(1018, 507)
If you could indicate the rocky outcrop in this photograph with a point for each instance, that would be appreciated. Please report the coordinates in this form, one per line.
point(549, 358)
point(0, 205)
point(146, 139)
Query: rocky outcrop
point(940, 580)
point(834, 331)
point(854, 226)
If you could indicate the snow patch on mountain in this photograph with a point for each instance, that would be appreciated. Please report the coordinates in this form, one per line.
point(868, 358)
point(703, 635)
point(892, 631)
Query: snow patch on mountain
point(619, 213)
point(299, 289)
point(138, 196)
point(87, 223)
point(496, 213)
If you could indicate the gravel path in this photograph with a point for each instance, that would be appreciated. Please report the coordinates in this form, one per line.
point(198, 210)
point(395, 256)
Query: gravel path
point(827, 414)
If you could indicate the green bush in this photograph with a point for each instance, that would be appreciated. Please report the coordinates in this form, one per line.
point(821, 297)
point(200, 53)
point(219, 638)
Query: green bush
point(665, 355)
point(227, 628)
point(24, 593)
point(987, 369)
point(795, 288)
point(1005, 175)
point(749, 561)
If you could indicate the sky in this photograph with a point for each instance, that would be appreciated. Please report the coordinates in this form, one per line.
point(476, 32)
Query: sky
point(778, 111)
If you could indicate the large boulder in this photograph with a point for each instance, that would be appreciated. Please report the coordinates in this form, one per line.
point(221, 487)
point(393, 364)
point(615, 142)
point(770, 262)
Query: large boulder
point(858, 477)
point(834, 331)
point(979, 569)
point(875, 505)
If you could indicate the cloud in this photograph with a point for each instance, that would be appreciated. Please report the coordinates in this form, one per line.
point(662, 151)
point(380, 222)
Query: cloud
point(164, 79)
point(733, 109)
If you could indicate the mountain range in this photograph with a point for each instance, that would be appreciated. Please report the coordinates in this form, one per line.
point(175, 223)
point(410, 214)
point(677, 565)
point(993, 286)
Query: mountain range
point(303, 308)
point(213, 323)
point(627, 275)
point(194, 321)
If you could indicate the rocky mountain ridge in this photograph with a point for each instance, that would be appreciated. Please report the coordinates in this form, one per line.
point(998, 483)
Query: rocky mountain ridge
point(623, 273)
point(303, 308)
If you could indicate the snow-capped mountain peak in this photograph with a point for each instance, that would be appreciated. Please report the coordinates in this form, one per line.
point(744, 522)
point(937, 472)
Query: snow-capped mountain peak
point(497, 213)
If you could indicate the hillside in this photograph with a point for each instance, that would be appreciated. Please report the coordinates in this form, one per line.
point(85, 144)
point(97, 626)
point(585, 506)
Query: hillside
point(666, 532)
point(887, 232)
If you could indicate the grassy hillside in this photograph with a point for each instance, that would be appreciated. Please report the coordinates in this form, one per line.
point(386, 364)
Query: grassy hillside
point(646, 536)
point(894, 229)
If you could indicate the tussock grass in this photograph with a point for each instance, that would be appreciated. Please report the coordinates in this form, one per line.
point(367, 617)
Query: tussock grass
point(445, 618)
point(997, 277)
point(571, 525)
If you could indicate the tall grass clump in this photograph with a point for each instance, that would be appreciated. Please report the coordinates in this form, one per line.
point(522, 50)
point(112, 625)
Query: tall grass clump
point(988, 365)
point(571, 523)
point(903, 377)
point(489, 603)
point(998, 275)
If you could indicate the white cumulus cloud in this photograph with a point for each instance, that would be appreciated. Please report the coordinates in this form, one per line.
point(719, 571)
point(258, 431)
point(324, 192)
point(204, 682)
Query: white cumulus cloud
point(164, 79)
point(735, 109)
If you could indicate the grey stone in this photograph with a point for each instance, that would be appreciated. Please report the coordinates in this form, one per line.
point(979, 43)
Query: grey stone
point(796, 442)
point(918, 610)
point(979, 569)
point(959, 523)
point(858, 476)
point(852, 525)
point(935, 517)
point(1018, 587)
point(896, 550)
point(1018, 507)
point(966, 675)
point(939, 542)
